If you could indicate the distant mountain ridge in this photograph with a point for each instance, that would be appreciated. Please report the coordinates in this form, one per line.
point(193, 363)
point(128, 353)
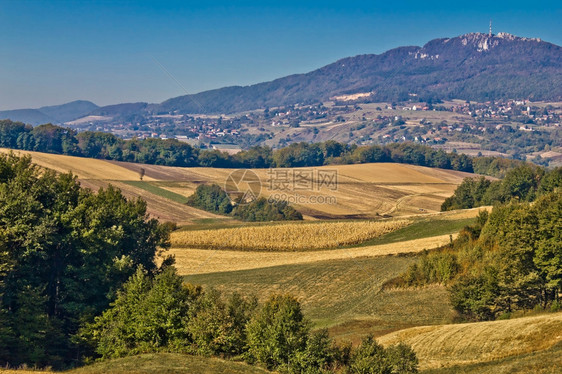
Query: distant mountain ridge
point(56, 114)
point(473, 66)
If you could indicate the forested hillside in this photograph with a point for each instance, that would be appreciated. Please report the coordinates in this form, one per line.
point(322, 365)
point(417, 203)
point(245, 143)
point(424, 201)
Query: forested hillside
point(509, 260)
point(470, 67)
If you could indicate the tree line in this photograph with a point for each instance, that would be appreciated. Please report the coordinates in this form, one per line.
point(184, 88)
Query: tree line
point(508, 260)
point(61, 140)
point(524, 183)
point(214, 199)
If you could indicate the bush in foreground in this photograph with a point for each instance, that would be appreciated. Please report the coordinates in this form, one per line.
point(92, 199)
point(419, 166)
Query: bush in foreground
point(160, 314)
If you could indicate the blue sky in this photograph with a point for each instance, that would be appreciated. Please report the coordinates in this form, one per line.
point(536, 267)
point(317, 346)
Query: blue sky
point(109, 52)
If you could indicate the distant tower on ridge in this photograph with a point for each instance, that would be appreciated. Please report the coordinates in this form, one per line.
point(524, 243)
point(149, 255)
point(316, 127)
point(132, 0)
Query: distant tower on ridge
point(490, 34)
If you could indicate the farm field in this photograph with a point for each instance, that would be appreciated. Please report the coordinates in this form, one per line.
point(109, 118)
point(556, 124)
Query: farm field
point(346, 295)
point(337, 265)
point(548, 361)
point(200, 261)
point(299, 236)
point(340, 288)
point(466, 343)
point(96, 174)
point(423, 233)
point(363, 191)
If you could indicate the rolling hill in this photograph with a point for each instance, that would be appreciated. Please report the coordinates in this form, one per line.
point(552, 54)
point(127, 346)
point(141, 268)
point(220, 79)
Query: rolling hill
point(363, 191)
point(466, 343)
point(56, 114)
point(470, 67)
point(342, 289)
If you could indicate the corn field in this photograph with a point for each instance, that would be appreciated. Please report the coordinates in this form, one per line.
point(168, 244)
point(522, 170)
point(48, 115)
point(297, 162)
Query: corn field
point(286, 237)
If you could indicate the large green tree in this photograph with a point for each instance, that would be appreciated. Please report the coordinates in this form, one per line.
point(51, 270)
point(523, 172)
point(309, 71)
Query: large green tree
point(64, 253)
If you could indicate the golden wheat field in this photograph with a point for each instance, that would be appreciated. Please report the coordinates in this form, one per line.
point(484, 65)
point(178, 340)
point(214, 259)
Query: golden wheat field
point(83, 168)
point(202, 261)
point(363, 191)
point(447, 345)
point(287, 237)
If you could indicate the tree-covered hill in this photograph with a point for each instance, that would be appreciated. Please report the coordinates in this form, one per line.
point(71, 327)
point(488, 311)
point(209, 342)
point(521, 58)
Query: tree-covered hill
point(51, 114)
point(471, 67)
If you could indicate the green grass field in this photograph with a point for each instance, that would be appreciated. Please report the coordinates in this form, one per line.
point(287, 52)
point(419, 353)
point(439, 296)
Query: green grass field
point(422, 228)
point(152, 188)
point(344, 295)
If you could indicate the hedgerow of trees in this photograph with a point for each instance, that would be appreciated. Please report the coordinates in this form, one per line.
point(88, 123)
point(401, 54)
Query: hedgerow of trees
point(213, 198)
point(161, 313)
point(523, 183)
point(61, 140)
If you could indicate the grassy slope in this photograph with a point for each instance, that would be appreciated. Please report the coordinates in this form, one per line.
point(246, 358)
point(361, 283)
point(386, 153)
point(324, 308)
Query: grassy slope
point(159, 363)
point(423, 228)
point(467, 343)
point(170, 364)
point(152, 188)
point(344, 295)
point(548, 361)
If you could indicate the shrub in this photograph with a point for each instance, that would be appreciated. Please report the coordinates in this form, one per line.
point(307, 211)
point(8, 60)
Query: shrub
point(148, 315)
point(217, 326)
point(372, 358)
point(277, 332)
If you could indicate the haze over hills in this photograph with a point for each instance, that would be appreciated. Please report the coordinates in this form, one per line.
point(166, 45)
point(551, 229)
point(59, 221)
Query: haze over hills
point(56, 114)
point(473, 66)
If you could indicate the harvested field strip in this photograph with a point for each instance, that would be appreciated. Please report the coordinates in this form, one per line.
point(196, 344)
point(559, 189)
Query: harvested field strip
point(466, 343)
point(200, 261)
